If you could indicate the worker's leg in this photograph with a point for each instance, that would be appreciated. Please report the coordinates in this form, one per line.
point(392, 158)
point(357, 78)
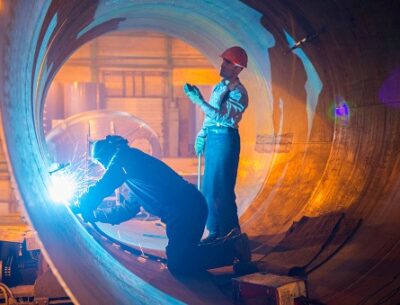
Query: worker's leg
point(185, 254)
point(227, 208)
point(221, 164)
point(210, 183)
point(224, 252)
point(185, 226)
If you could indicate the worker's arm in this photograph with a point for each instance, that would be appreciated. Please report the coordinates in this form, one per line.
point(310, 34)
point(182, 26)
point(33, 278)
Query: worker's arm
point(114, 177)
point(118, 214)
point(230, 110)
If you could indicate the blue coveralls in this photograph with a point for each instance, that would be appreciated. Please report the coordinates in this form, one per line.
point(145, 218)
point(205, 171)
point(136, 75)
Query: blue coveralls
point(164, 193)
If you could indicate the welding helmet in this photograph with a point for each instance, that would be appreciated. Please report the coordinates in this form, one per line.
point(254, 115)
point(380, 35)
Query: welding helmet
point(103, 150)
point(236, 55)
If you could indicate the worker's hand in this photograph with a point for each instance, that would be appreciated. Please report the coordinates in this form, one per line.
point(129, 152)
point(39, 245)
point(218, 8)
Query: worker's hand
point(194, 94)
point(105, 215)
point(82, 206)
point(199, 145)
point(117, 214)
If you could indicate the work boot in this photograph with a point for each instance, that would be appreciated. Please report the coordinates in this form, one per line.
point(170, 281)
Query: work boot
point(244, 268)
point(242, 248)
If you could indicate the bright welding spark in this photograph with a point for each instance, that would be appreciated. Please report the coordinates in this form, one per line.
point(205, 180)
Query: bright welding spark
point(141, 250)
point(63, 187)
point(69, 182)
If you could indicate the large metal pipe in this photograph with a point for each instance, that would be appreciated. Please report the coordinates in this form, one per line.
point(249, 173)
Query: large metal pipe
point(299, 160)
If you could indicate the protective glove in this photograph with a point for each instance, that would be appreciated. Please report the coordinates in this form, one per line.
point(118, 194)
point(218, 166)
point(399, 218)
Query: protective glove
point(199, 145)
point(193, 93)
point(85, 208)
point(117, 214)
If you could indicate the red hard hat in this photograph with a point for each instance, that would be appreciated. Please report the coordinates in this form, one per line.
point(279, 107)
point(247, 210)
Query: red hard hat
point(237, 55)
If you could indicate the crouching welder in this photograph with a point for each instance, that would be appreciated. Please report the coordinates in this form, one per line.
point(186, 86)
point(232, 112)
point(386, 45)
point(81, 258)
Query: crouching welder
point(164, 193)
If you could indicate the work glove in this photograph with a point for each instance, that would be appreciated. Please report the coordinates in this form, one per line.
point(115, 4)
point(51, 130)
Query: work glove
point(82, 206)
point(193, 93)
point(199, 145)
point(117, 214)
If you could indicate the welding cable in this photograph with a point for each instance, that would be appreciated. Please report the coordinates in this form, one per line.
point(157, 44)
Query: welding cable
point(337, 249)
point(301, 270)
point(364, 276)
point(327, 241)
point(323, 246)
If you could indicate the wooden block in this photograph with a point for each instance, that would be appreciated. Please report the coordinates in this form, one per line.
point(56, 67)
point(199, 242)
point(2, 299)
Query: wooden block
point(267, 289)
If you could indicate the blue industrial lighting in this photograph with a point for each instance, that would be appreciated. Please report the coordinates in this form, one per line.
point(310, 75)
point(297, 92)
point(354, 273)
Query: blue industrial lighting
point(63, 187)
point(339, 110)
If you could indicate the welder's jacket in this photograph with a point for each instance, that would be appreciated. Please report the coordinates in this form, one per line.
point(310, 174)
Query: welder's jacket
point(154, 185)
point(179, 204)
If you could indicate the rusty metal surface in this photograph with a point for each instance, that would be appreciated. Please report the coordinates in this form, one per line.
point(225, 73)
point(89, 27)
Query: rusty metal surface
point(150, 266)
point(86, 271)
point(341, 165)
point(355, 172)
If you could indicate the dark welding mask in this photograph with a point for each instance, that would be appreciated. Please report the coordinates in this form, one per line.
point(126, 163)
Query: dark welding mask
point(103, 150)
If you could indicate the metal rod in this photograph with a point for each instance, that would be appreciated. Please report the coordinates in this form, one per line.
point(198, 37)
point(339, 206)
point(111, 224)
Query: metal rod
point(199, 172)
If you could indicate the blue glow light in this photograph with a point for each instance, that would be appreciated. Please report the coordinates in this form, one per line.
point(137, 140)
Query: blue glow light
point(339, 110)
point(63, 187)
point(342, 110)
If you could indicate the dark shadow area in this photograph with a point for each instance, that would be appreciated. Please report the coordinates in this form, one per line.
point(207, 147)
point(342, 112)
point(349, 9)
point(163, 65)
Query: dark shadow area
point(308, 244)
point(204, 288)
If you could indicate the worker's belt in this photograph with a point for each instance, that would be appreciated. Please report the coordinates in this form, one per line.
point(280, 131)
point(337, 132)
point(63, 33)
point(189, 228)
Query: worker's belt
point(221, 130)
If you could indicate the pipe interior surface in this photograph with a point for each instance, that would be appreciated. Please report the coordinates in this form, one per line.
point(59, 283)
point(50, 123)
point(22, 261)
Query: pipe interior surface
point(302, 154)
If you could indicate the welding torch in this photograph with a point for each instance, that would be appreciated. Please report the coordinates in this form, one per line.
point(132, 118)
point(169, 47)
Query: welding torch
point(60, 167)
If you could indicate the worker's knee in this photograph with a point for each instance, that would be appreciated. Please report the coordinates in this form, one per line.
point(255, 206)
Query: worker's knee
point(181, 261)
point(180, 265)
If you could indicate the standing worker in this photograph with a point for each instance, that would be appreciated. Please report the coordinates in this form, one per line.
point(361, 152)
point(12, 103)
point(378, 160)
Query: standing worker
point(164, 193)
point(220, 142)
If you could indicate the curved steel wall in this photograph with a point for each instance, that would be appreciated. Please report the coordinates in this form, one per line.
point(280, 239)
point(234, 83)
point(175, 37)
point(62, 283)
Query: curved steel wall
point(347, 166)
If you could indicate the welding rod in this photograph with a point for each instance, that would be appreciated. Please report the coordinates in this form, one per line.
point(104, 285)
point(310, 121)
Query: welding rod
point(60, 167)
point(199, 172)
